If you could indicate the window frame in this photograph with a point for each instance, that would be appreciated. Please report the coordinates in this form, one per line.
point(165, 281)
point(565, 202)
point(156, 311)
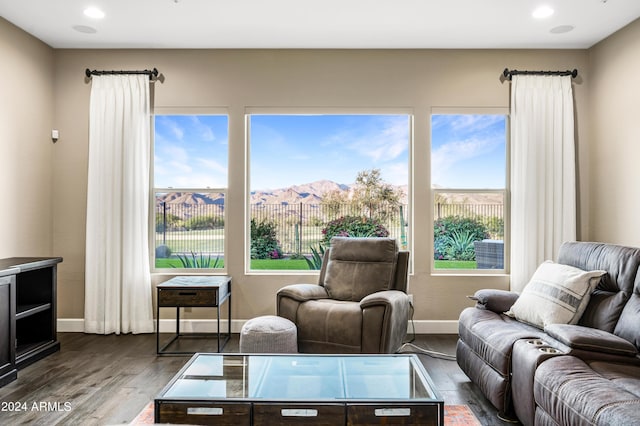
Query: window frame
point(249, 111)
point(505, 192)
point(153, 190)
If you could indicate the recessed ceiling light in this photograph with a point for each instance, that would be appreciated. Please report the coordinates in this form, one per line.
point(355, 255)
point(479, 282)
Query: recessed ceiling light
point(85, 29)
point(542, 12)
point(94, 13)
point(561, 29)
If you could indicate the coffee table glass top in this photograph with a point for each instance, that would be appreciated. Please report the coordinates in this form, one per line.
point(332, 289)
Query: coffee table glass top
point(302, 377)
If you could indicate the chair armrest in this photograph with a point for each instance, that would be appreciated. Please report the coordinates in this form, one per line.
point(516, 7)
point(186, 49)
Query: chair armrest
point(386, 297)
point(591, 339)
point(498, 301)
point(303, 292)
point(385, 315)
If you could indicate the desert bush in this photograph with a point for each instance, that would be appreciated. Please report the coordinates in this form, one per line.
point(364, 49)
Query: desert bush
point(203, 222)
point(353, 226)
point(454, 237)
point(264, 244)
point(199, 260)
point(172, 222)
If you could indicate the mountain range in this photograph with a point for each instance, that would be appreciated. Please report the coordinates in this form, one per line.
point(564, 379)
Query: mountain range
point(311, 193)
point(308, 193)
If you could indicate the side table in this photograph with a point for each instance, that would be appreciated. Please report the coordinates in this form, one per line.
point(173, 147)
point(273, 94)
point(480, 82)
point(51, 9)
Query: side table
point(193, 292)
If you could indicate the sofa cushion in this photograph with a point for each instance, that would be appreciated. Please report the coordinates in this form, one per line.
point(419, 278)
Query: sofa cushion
point(360, 266)
point(492, 335)
point(555, 294)
point(595, 393)
point(627, 326)
point(614, 289)
point(317, 328)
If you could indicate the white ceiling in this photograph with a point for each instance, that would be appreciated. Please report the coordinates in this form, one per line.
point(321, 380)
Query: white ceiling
point(320, 23)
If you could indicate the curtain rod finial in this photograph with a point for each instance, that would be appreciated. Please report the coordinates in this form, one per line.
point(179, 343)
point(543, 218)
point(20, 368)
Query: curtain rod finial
point(87, 72)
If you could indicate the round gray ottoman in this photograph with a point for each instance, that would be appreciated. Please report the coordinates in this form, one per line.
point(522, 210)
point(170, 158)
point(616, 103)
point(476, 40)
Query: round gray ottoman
point(269, 334)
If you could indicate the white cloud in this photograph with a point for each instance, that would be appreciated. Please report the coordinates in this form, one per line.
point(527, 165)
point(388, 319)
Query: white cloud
point(448, 155)
point(172, 127)
point(212, 165)
point(205, 132)
point(383, 139)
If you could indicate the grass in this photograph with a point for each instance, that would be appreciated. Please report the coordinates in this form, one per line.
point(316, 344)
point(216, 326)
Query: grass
point(259, 264)
point(279, 264)
point(175, 263)
point(455, 264)
point(300, 264)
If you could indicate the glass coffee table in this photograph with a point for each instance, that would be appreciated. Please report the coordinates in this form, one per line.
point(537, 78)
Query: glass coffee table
point(278, 389)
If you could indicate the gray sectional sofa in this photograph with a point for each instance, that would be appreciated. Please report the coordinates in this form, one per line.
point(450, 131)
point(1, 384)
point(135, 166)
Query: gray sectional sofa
point(562, 374)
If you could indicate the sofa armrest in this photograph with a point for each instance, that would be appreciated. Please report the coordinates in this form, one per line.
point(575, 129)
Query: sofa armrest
point(498, 301)
point(591, 339)
point(303, 292)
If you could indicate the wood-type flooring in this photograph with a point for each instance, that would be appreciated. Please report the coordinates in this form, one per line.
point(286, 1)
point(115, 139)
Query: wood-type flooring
point(108, 380)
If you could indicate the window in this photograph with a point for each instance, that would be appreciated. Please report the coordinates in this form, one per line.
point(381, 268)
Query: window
point(315, 176)
point(190, 181)
point(468, 177)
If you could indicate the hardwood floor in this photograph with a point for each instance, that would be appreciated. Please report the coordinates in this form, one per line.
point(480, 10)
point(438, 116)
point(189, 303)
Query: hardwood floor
point(107, 380)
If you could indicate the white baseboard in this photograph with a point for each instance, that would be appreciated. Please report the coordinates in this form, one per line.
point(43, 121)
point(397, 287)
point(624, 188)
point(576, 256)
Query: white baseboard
point(76, 325)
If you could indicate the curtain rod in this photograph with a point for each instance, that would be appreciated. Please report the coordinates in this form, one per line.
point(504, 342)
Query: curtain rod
point(151, 73)
point(508, 74)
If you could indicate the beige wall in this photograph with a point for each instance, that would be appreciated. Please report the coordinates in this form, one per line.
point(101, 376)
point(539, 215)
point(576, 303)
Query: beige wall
point(44, 185)
point(26, 149)
point(236, 79)
point(614, 129)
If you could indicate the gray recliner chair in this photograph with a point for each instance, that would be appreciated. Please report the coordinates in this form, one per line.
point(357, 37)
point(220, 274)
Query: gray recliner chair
point(359, 305)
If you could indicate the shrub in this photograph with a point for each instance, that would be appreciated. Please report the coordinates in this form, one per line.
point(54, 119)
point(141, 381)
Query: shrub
point(264, 244)
point(203, 222)
point(460, 246)
point(317, 256)
point(454, 236)
point(353, 226)
point(201, 260)
point(495, 227)
point(172, 222)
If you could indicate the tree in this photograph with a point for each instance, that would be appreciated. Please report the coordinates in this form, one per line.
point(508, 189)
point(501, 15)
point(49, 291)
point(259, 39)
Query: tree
point(371, 197)
point(375, 197)
point(333, 203)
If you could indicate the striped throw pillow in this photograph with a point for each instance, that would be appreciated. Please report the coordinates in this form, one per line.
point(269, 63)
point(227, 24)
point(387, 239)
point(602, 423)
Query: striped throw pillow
point(556, 294)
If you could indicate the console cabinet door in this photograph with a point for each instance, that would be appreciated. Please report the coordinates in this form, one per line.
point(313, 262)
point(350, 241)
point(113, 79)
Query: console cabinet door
point(7, 330)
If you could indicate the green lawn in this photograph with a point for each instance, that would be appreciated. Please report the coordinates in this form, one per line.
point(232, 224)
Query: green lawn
point(455, 264)
point(264, 264)
point(300, 264)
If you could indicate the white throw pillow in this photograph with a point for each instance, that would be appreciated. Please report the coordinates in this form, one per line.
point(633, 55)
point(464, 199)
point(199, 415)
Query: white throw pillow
point(556, 294)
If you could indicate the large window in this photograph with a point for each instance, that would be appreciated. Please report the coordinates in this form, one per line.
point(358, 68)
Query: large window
point(190, 185)
point(468, 175)
point(319, 175)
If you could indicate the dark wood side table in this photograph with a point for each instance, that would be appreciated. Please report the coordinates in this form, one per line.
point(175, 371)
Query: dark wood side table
point(193, 292)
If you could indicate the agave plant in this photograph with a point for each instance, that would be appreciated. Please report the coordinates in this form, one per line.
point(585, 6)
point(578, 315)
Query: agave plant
point(316, 257)
point(460, 245)
point(194, 260)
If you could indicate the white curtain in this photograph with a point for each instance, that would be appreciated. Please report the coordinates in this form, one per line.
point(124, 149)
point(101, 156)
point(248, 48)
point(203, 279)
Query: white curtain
point(118, 297)
point(543, 175)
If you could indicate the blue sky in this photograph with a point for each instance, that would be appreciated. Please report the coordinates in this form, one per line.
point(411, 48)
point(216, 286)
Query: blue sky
point(468, 151)
point(191, 151)
point(296, 149)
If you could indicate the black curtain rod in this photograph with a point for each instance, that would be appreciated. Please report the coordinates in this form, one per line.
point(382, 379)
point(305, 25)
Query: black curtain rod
point(508, 74)
point(151, 73)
